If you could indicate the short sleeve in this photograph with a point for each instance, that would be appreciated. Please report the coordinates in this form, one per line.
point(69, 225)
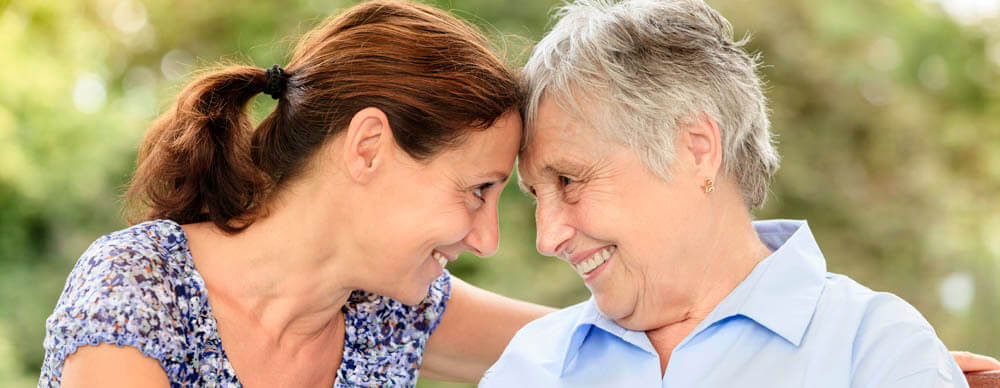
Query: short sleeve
point(385, 338)
point(897, 347)
point(115, 295)
point(919, 361)
point(436, 302)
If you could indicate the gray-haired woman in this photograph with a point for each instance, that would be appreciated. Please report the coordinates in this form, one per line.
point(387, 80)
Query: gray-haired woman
point(647, 146)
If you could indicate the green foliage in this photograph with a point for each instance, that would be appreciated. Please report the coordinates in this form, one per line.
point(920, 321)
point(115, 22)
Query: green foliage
point(887, 111)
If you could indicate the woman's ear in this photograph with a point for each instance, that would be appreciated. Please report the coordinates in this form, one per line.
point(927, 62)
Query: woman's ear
point(705, 145)
point(367, 143)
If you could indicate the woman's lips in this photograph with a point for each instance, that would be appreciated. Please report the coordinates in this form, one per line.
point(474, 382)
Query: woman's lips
point(589, 264)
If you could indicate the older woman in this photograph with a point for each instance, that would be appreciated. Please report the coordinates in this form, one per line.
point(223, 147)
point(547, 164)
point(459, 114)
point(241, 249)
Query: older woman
point(648, 144)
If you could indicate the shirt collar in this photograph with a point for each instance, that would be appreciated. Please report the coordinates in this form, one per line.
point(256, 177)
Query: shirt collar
point(781, 293)
point(783, 290)
point(591, 318)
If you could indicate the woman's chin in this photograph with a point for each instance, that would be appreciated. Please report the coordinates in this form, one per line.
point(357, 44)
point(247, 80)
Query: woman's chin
point(415, 294)
point(614, 306)
point(413, 290)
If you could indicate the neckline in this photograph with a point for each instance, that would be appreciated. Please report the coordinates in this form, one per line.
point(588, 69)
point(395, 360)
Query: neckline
point(191, 270)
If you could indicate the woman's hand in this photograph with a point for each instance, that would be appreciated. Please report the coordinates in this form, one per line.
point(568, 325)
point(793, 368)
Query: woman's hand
point(971, 362)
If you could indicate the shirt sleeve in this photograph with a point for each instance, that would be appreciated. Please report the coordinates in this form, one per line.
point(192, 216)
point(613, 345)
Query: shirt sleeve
point(111, 297)
point(923, 362)
point(387, 338)
point(900, 349)
point(436, 302)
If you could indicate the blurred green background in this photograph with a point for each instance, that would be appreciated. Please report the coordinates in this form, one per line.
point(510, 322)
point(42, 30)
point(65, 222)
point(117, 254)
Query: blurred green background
point(888, 113)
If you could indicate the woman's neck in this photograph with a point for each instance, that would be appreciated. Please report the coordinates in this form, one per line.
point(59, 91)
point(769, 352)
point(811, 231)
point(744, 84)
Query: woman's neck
point(285, 275)
point(726, 263)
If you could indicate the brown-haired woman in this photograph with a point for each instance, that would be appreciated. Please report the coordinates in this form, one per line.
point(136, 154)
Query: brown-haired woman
point(394, 132)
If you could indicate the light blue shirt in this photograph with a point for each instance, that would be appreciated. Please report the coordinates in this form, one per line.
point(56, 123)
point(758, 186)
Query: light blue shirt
point(788, 324)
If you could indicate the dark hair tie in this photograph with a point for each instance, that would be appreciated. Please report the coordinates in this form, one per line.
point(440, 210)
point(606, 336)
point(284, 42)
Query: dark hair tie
point(276, 81)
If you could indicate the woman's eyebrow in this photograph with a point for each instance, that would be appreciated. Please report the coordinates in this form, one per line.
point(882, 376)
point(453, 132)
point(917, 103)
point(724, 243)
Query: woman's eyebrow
point(552, 168)
point(561, 166)
point(497, 176)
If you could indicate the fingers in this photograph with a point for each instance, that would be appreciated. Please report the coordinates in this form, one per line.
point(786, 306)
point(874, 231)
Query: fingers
point(970, 362)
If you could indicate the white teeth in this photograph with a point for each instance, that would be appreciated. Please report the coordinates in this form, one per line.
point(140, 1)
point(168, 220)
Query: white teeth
point(440, 259)
point(585, 266)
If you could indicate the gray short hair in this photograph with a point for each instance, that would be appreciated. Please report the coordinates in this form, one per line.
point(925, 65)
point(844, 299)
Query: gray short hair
point(647, 66)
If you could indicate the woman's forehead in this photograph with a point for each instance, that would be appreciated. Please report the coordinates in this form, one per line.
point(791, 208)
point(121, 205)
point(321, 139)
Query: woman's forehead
point(550, 156)
point(560, 143)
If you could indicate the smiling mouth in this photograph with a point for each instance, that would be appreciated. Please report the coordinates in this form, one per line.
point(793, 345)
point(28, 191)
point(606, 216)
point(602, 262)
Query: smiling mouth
point(441, 259)
point(585, 267)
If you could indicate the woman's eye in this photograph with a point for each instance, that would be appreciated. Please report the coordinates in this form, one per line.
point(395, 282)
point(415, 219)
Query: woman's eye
point(570, 188)
point(478, 191)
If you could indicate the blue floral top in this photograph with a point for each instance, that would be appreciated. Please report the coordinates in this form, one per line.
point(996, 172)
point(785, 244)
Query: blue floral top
point(139, 287)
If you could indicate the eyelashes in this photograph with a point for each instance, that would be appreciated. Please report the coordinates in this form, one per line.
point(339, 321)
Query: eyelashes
point(478, 191)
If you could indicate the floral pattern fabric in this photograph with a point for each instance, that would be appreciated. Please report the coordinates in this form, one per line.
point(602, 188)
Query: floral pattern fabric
point(138, 287)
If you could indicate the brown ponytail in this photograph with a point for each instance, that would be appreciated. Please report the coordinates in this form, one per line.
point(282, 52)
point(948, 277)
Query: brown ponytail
point(432, 75)
point(194, 162)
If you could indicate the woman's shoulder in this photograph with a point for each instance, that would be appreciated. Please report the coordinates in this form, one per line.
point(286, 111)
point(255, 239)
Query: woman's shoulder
point(141, 263)
point(384, 332)
point(161, 236)
point(853, 302)
point(129, 288)
point(149, 242)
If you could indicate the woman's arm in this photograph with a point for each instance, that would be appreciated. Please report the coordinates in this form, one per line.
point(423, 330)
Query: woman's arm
point(475, 328)
point(112, 366)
